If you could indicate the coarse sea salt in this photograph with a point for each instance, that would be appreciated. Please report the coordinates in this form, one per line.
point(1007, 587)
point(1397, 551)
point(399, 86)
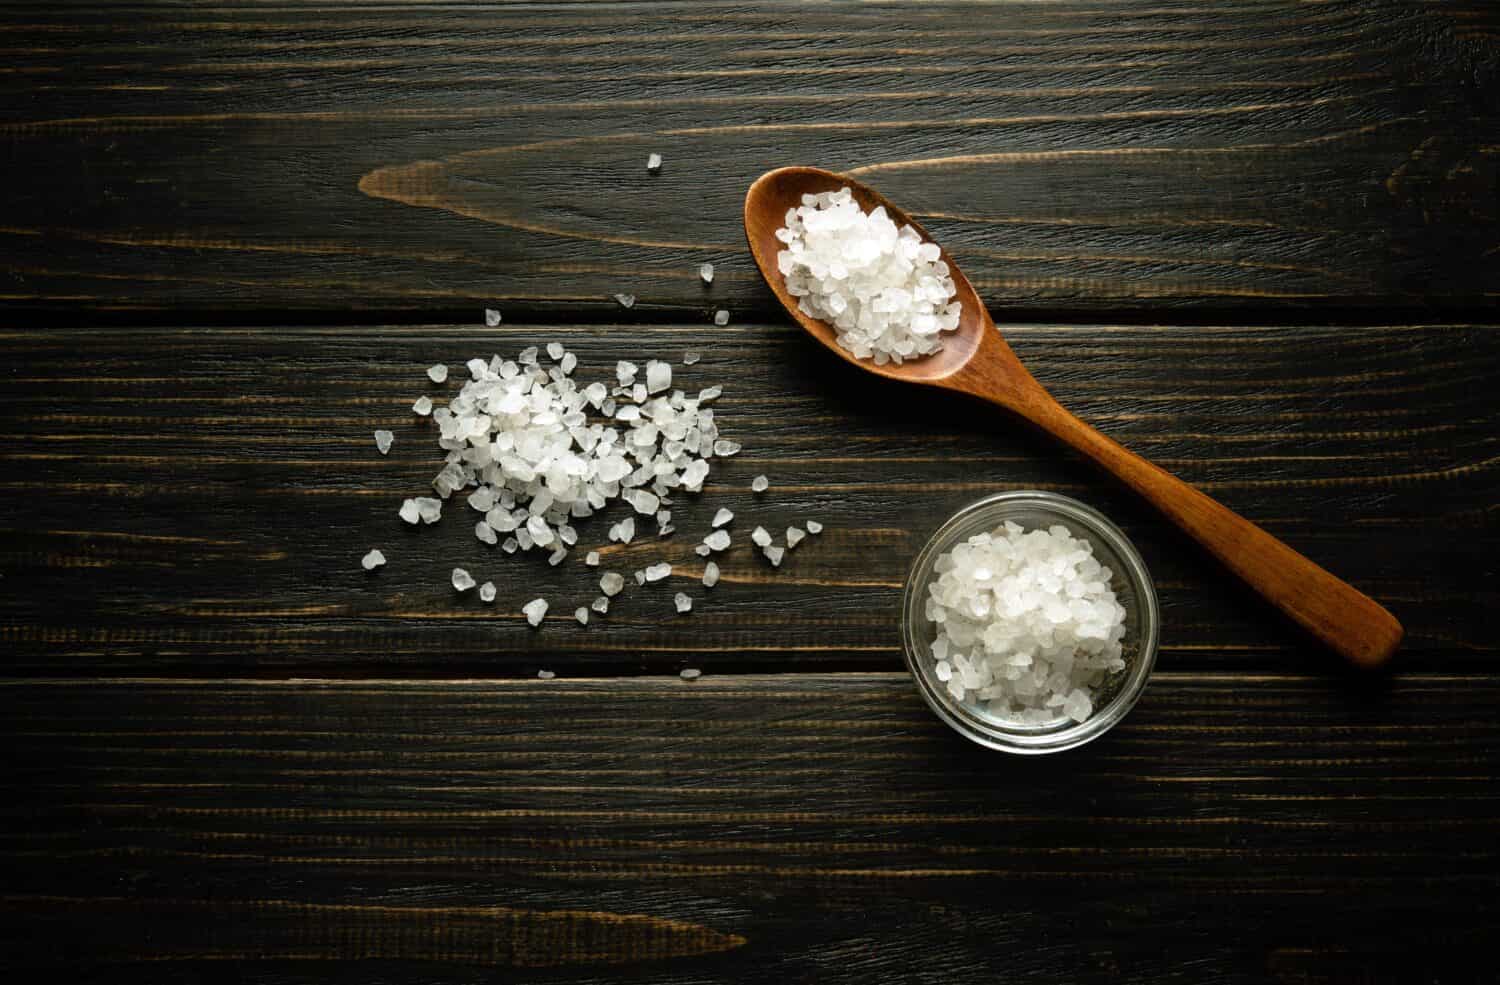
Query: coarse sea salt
point(383, 440)
point(437, 373)
point(1026, 622)
point(887, 293)
point(682, 602)
point(462, 580)
point(491, 317)
point(372, 560)
point(710, 575)
point(535, 610)
point(487, 592)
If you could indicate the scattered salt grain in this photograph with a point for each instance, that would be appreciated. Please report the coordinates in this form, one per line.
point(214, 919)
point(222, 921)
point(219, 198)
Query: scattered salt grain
point(431, 510)
point(724, 447)
point(422, 406)
point(611, 583)
point(814, 527)
point(640, 576)
point(383, 441)
point(760, 484)
point(722, 517)
point(774, 555)
point(657, 572)
point(437, 373)
point(600, 604)
point(462, 580)
point(653, 163)
point(706, 271)
point(510, 545)
point(544, 675)
point(717, 541)
point(372, 560)
point(487, 591)
point(721, 317)
point(591, 559)
point(1027, 622)
point(555, 351)
point(690, 674)
point(557, 556)
point(582, 615)
point(626, 300)
point(535, 610)
point(658, 376)
point(761, 536)
point(886, 292)
point(793, 537)
point(702, 550)
point(491, 317)
point(710, 575)
point(486, 533)
point(682, 602)
point(408, 511)
point(690, 358)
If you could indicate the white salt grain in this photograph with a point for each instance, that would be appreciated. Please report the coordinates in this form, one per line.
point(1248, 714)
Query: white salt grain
point(793, 537)
point(491, 317)
point(408, 511)
point(372, 560)
point(658, 376)
point(690, 674)
point(690, 358)
point(557, 556)
point(626, 300)
point(717, 541)
point(582, 615)
point(511, 545)
point(544, 675)
point(710, 575)
point(600, 604)
point(706, 271)
point(611, 583)
point(657, 572)
point(383, 441)
point(422, 405)
point(1026, 622)
point(437, 373)
point(886, 292)
point(760, 484)
point(814, 527)
point(774, 555)
point(486, 533)
point(535, 610)
point(555, 351)
point(591, 559)
point(721, 317)
point(640, 576)
point(682, 602)
point(703, 550)
point(431, 510)
point(722, 517)
point(487, 591)
point(462, 580)
point(653, 163)
point(761, 536)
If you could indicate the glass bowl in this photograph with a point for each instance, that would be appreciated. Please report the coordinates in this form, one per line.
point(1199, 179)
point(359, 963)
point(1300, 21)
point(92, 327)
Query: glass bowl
point(1132, 587)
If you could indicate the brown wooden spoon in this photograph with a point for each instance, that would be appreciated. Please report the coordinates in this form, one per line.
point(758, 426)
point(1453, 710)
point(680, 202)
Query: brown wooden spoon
point(975, 360)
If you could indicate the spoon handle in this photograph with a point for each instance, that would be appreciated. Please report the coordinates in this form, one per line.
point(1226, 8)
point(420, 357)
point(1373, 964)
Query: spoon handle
point(1350, 622)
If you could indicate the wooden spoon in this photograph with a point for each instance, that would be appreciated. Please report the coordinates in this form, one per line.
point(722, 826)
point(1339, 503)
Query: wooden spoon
point(975, 360)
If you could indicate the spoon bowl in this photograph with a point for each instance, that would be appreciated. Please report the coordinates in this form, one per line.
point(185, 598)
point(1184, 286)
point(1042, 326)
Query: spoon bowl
point(975, 360)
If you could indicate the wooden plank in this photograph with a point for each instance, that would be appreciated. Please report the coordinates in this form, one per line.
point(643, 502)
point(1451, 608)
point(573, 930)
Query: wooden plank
point(197, 501)
point(1077, 155)
point(754, 829)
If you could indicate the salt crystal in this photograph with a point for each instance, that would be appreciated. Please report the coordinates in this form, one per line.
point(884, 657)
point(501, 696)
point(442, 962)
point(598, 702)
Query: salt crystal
point(690, 674)
point(724, 447)
point(702, 550)
point(760, 484)
point(626, 300)
point(430, 510)
point(793, 537)
point(610, 583)
point(557, 556)
point(485, 532)
point(462, 580)
point(721, 317)
point(487, 591)
point(761, 536)
point(640, 576)
point(491, 317)
point(722, 517)
point(511, 545)
point(682, 602)
point(774, 555)
point(372, 560)
point(658, 376)
point(706, 271)
point(544, 675)
point(600, 604)
point(423, 406)
point(437, 373)
point(625, 372)
point(710, 575)
point(644, 501)
point(383, 441)
point(582, 615)
point(657, 572)
point(477, 368)
point(408, 511)
point(717, 541)
point(555, 351)
point(591, 559)
point(814, 527)
point(535, 610)
point(690, 358)
point(653, 163)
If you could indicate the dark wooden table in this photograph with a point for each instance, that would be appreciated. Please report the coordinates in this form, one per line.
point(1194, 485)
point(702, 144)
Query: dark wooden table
point(1257, 241)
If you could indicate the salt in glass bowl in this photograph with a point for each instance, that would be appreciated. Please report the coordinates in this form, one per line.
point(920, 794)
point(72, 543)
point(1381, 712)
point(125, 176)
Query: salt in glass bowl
point(1033, 509)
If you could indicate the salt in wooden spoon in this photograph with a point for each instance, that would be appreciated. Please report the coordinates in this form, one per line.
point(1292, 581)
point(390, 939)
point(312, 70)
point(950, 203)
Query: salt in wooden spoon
point(976, 360)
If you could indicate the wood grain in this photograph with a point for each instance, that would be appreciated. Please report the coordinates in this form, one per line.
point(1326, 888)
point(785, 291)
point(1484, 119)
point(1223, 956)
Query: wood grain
point(1078, 156)
point(823, 828)
point(197, 501)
